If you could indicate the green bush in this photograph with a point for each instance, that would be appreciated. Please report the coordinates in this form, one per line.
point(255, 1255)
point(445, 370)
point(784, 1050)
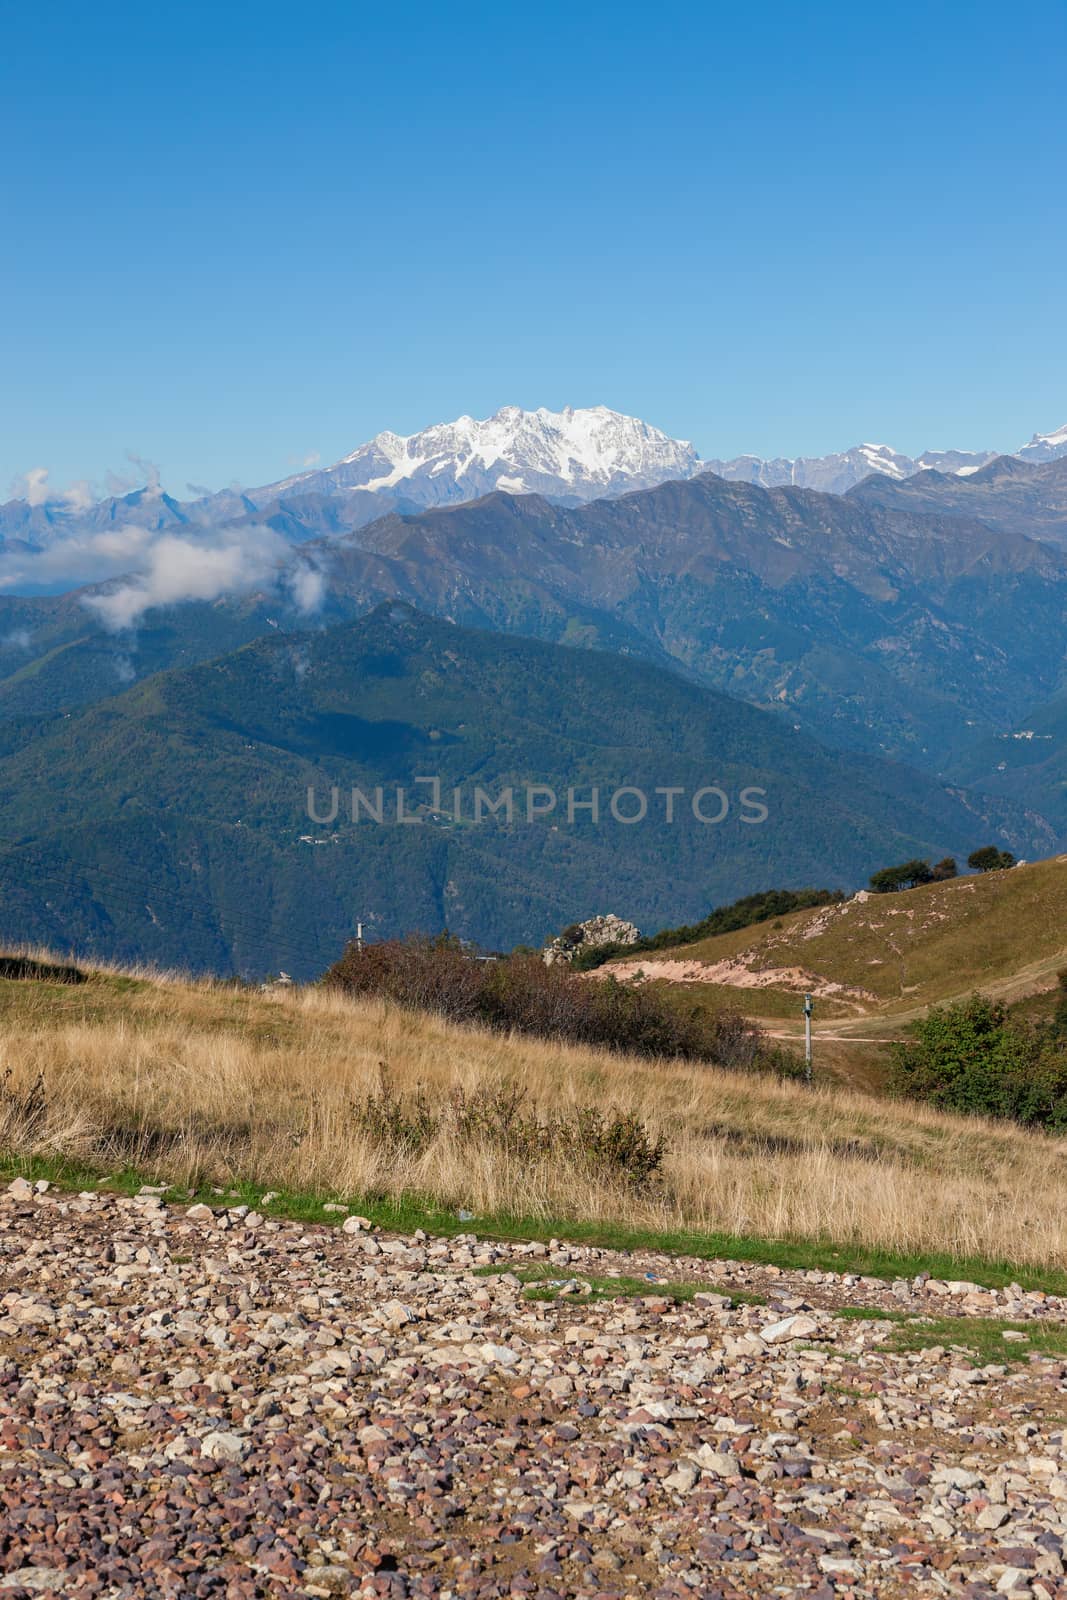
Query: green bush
point(990, 859)
point(908, 875)
point(520, 994)
point(971, 1057)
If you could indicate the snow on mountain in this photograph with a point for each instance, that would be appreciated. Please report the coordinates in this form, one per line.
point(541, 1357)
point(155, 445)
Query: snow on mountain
point(1045, 446)
point(834, 474)
point(573, 454)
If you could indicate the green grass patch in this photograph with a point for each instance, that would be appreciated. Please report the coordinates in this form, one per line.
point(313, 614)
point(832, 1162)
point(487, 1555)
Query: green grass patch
point(546, 1282)
point(845, 1391)
point(409, 1212)
point(979, 1339)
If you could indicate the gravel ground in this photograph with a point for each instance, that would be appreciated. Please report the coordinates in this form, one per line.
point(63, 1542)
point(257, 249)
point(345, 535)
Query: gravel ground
point(217, 1403)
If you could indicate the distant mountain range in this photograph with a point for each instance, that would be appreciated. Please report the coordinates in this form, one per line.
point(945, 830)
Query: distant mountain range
point(836, 474)
point(171, 823)
point(150, 749)
point(571, 456)
point(909, 633)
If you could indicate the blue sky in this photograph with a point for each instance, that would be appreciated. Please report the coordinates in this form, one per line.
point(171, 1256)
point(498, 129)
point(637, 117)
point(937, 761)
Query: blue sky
point(235, 235)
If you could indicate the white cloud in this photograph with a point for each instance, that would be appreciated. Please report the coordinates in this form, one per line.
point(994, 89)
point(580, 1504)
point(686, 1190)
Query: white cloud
point(33, 486)
point(306, 584)
point(147, 476)
point(79, 496)
point(79, 558)
point(146, 568)
point(35, 489)
point(176, 568)
point(148, 470)
point(18, 639)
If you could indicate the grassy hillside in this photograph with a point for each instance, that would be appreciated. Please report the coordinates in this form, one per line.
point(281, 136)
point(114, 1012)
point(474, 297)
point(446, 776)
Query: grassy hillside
point(875, 964)
point(193, 1083)
point(170, 823)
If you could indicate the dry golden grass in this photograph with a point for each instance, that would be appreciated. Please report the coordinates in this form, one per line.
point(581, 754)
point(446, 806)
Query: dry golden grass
point(896, 954)
point(193, 1081)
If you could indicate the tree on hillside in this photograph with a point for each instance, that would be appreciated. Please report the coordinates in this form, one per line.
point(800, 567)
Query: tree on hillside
point(943, 870)
point(972, 1057)
point(908, 875)
point(990, 859)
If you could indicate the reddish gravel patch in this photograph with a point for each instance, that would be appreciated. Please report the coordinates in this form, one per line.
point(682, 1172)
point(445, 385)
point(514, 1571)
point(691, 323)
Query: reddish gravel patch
point(225, 1405)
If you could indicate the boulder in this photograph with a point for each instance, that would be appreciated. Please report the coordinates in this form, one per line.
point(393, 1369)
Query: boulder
point(605, 930)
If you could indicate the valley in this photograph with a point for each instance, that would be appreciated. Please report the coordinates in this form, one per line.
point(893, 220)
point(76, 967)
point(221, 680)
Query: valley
point(533, 803)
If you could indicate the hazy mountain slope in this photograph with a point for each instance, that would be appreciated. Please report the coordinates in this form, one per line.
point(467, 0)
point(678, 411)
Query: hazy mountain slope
point(171, 821)
point(894, 631)
point(1008, 495)
point(1027, 762)
point(904, 633)
point(839, 471)
point(33, 525)
point(56, 657)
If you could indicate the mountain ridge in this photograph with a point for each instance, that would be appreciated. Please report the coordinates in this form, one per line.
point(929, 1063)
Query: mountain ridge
point(573, 456)
point(904, 632)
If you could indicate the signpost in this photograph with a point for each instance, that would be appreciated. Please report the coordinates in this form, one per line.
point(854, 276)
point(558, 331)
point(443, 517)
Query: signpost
point(809, 1006)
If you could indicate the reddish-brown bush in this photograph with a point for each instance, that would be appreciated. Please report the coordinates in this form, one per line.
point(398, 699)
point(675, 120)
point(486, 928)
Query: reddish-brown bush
point(520, 993)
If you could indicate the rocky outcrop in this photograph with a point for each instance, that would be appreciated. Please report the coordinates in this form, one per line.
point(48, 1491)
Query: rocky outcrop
point(598, 931)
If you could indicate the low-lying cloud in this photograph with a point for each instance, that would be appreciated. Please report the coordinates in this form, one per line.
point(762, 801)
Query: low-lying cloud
point(145, 568)
point(306, 584)
point(177, 568)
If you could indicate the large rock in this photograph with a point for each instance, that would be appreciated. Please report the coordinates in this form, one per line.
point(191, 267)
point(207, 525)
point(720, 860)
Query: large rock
point(598, 931)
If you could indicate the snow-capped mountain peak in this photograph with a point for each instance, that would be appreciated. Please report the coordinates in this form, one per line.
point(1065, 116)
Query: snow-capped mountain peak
point(578, 454)
point(837, 473)
point(1045, 446)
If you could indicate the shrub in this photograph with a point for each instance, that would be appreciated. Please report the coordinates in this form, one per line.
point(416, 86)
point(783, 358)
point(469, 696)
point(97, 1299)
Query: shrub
point(616, 1146)
point(972, 1057)
point(909, 875)
point(436, 975)
point(990, 859)
point(521, 994)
